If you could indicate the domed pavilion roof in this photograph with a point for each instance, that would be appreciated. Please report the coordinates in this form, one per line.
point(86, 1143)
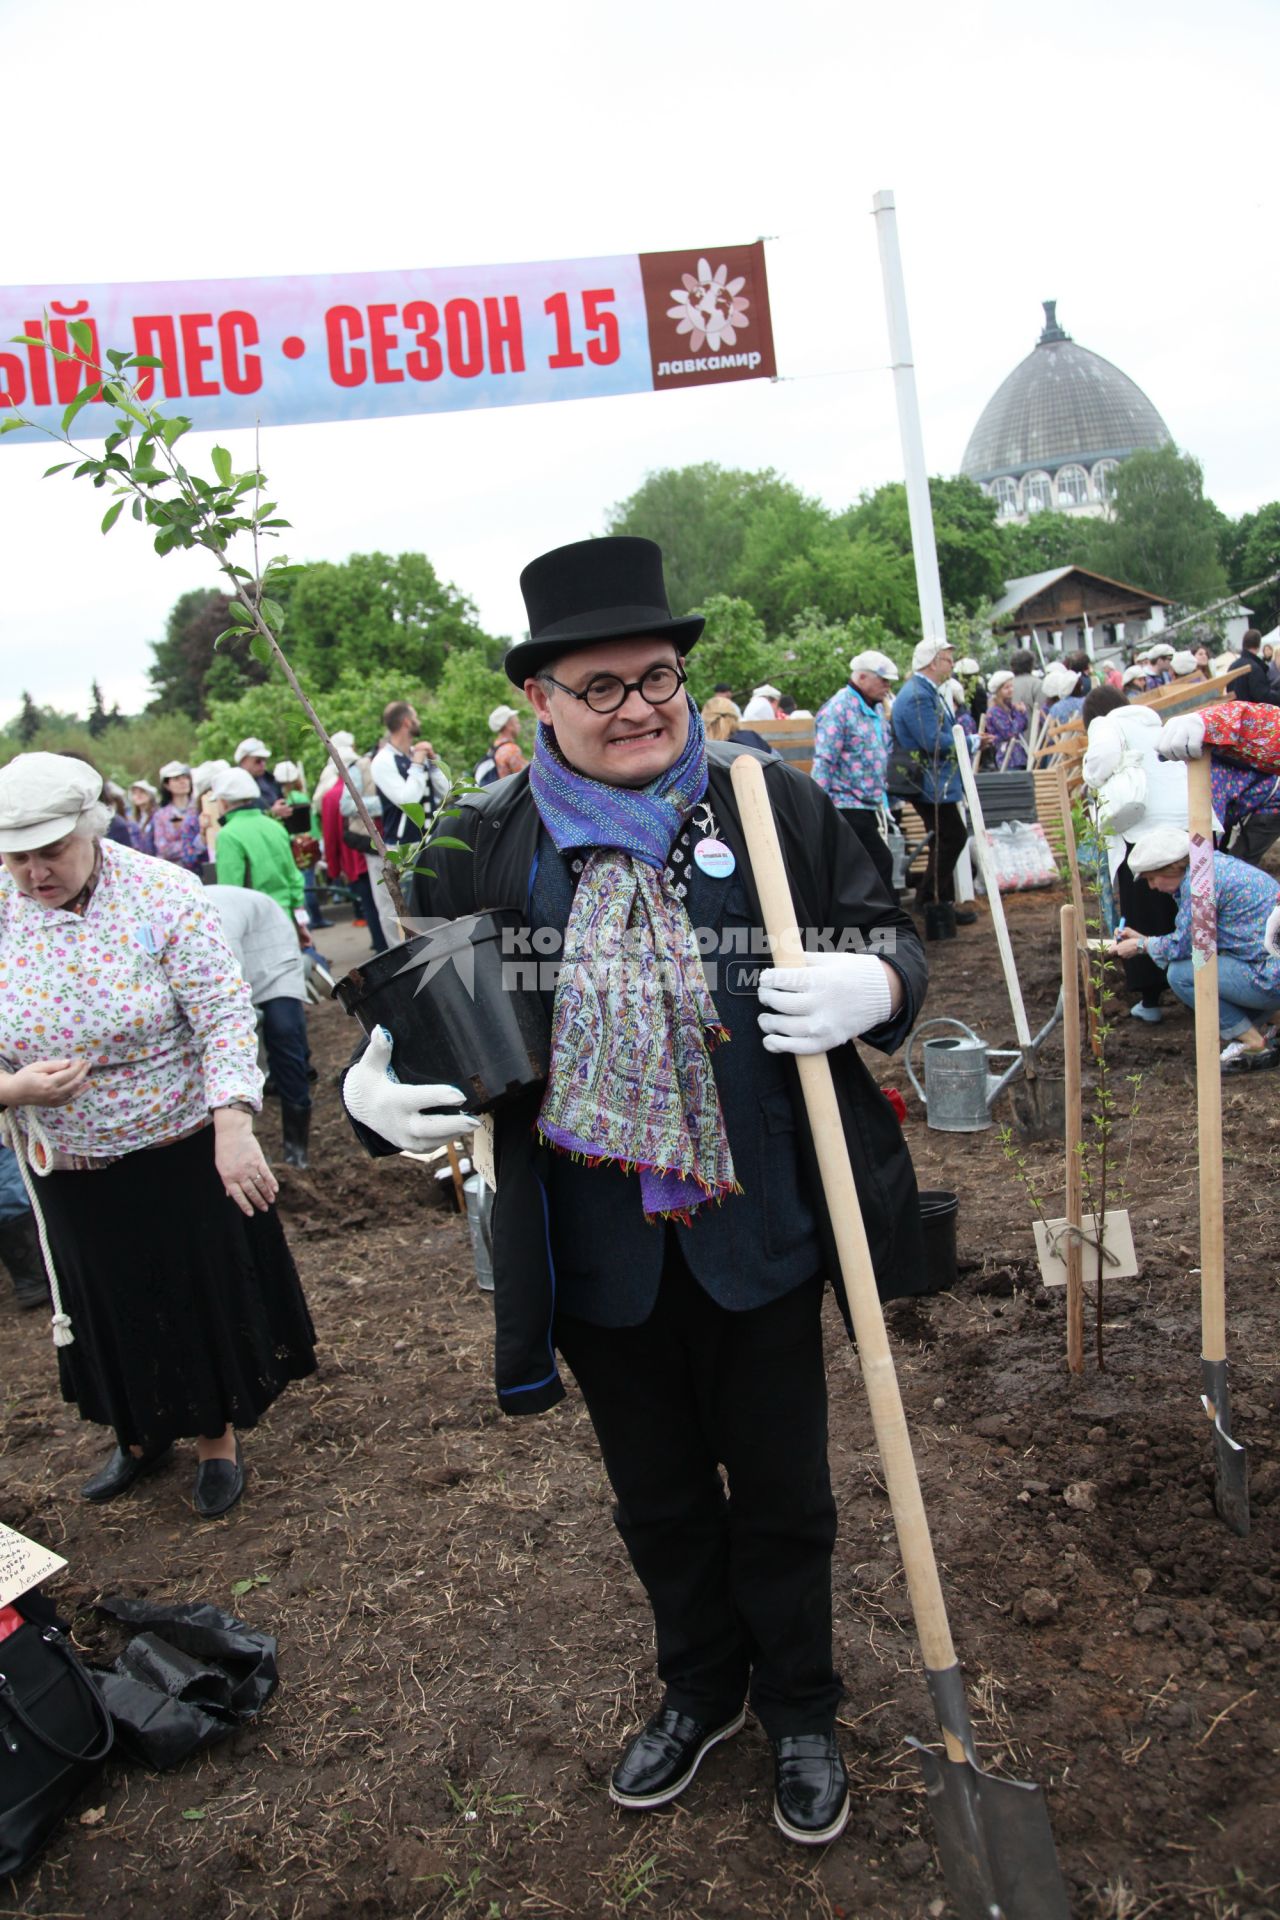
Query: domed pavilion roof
point(1061, 404)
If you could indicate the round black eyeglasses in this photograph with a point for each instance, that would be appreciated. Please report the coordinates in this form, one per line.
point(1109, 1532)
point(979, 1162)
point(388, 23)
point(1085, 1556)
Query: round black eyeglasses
point(606, 693)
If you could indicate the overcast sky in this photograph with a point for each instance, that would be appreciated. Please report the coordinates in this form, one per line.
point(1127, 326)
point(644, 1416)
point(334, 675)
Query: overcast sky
point(1117, 158)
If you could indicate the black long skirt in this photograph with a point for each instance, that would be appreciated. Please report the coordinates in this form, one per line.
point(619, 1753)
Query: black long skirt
point(186, 1316)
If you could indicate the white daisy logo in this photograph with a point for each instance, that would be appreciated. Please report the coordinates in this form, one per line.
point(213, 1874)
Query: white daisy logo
point(710, 308)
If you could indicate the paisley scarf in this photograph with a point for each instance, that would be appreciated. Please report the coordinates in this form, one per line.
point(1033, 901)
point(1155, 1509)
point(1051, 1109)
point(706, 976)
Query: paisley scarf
point(633, 1022)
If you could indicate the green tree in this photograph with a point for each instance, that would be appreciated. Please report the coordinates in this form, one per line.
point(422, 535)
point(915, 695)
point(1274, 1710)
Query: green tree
point(189, 668)
point(374, 614)
point(971, 558)
point(721, 530)
point(1050, 540)
point(813, 658)
point(842, 575)
point(1252, 553)
point(28, 725)
point(733, 650)
point(99, 719)
point(1163, 533)
point(455, 714)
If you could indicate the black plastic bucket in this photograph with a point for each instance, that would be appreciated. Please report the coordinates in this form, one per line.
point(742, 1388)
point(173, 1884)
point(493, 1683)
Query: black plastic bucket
point(938, 1211)
point(451, 1013)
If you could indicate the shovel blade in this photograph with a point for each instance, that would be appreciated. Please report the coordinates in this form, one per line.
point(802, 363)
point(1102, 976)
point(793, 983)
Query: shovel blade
point(1230, 1461)
point(1038, 1108)
point(998, 1856)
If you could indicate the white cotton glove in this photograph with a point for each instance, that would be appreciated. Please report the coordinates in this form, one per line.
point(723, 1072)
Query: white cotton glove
point(1271, 932)
point(817, 1007)
point(1182, 738)
point(395, 1112)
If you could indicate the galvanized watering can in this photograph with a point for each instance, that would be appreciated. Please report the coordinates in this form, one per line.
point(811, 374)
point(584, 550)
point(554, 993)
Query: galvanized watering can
point(959, 1087)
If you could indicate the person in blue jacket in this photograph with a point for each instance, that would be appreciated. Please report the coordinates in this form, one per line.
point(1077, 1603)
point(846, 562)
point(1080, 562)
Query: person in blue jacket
point(922, 724)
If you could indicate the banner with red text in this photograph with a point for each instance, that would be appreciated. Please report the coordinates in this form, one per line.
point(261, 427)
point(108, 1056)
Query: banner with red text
point(369, 345)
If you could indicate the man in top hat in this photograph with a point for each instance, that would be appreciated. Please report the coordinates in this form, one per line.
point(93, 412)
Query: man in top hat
point(693, 1328)
point(851, 752)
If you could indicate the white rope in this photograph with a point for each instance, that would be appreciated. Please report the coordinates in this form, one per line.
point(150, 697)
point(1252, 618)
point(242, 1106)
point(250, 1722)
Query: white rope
point(19, 1138)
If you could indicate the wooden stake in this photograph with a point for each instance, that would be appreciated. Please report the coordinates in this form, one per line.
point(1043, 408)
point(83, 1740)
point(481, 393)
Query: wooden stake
point(1071, 1052)
point(1077, 900)
point(1208, 1087)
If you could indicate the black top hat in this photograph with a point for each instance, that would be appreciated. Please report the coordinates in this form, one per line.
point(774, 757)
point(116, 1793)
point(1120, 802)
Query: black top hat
point(595, 590)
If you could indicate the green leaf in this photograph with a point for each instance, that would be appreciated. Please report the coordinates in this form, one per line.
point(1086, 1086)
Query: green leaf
point(193, 1813)
point(82, 399)
point(240, 613)
point(137, 509)
point(447, 840)
point(173, 429)
point(273, 613)
point(28, 340)
point(261, 650)
point(11, 426)
point(110, 517)
point(51, 470)
point(222, 465)
point(143, 360)
point(82, 333)
point(116, 357)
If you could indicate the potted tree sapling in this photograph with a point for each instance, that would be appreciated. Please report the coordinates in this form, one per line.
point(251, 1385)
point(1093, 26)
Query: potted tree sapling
point(445, 994)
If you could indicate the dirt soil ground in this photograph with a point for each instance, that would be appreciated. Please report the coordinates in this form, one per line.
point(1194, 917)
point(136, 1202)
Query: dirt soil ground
point(463, 1649)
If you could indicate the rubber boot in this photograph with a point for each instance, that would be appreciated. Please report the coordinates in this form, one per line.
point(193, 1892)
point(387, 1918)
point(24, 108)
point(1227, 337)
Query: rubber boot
point(296, 1123)
point(20, 1251)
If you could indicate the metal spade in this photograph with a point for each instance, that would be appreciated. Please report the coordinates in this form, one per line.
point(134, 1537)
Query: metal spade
point(993, 1835)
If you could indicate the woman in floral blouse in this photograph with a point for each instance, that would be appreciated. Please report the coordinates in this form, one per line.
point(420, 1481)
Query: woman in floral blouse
point(1004, 725)
point(129, 1084)
point(173, 831)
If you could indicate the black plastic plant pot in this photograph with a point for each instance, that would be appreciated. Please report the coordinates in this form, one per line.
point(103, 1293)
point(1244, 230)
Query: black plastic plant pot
point(938, 1211)
point(457, 1010)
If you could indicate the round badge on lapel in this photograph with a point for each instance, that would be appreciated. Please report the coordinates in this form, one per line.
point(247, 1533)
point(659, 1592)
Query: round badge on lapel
point(714, 859)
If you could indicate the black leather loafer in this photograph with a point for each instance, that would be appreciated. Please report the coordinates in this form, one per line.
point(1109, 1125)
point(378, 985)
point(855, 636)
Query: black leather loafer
point(120, 1472)
point(219, 1484)
point(811, 1788)
point(663, 1757)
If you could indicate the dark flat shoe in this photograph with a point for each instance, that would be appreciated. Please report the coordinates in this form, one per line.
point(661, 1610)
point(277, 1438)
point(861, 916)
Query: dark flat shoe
point(811, 1788)
point(663, 1757)
point(219, 1484)
point(120, 1472)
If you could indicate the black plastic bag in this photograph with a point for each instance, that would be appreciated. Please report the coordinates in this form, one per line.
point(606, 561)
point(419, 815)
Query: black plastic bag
point(192, 1676)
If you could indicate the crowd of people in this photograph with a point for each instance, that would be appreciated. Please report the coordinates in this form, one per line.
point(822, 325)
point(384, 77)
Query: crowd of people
point(658, 1221)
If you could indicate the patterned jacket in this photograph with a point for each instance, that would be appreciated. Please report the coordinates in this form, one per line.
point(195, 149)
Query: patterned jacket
point(851, 750)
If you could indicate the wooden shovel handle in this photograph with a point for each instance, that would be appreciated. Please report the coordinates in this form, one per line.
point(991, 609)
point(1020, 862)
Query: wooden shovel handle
point(1213, 1314)
point(1073, 1136)
point(856, 1272)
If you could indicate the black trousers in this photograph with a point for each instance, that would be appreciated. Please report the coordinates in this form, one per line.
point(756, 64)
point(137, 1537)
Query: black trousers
point(1146, 911)
point(739, 1580)
point(942, 817)
point(864, 821)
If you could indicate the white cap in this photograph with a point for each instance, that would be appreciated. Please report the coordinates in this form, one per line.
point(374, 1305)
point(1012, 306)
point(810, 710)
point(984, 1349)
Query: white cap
point(500, 716)
point(967, 665)
point(146, 787)
point(257, 748)
point(1160, 847)
point(1161, 651)
point(1137, 671)
point(235, 784)
point(172, 768)
point(288, 771)
point(204, 775)
point(1183, 663)
point(1059, 681)
point(873, 662)
point(955, 694)
point(341, 740)
point(43, 798)
point(765, 693)
point(1001, 678)
point(927, 652)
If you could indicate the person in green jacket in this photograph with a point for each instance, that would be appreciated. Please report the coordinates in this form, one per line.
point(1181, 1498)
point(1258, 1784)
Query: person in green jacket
point(253, 850)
